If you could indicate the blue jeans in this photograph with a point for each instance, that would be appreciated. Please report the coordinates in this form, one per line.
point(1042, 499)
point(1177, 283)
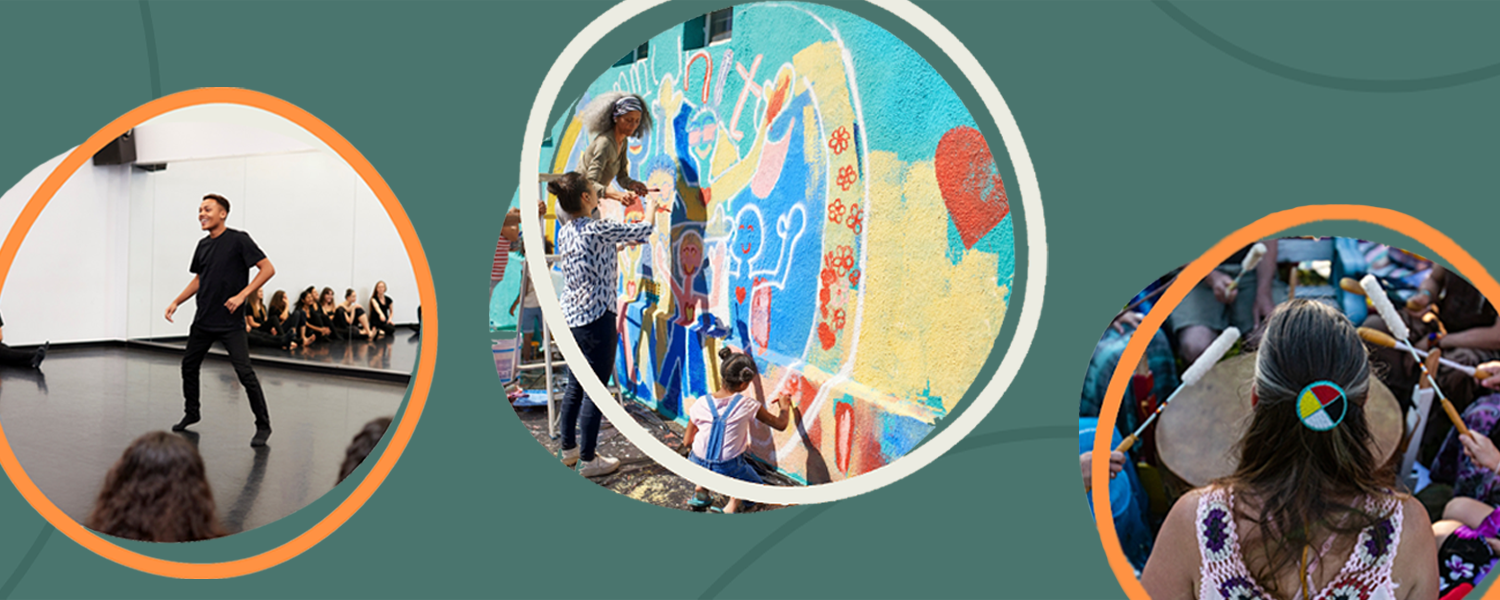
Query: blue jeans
point(737, 467)
point(597, 340)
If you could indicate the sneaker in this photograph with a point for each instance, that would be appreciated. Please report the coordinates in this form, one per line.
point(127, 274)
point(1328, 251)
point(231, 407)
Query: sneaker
point(701, 500)
point(41, 354)
point(570, 457)
point(186, 420)
point(260, 437)
point(600, 466)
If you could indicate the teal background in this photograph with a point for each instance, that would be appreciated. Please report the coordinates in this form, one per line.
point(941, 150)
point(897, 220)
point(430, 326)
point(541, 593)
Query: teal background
point(1156, 129)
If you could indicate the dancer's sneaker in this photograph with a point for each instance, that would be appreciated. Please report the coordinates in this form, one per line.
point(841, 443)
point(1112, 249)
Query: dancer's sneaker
point(186, 420)
point(570, 457)
point(600, 466)
point(261, 435)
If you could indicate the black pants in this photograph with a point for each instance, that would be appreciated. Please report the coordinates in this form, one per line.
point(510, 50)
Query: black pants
point(257, 337)
point(199, 341)
point(15, 358)
point(597, 339)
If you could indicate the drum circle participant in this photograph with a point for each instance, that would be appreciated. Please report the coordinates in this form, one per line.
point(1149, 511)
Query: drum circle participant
point(1306, 510)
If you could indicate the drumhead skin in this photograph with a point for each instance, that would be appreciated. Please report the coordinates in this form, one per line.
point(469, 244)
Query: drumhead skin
point(1197, 435)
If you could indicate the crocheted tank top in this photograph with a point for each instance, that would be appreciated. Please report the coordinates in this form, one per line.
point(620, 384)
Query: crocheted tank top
point(1365, 576)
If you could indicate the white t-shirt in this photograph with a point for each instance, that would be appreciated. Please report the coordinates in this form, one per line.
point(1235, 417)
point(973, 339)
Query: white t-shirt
point(736, 428)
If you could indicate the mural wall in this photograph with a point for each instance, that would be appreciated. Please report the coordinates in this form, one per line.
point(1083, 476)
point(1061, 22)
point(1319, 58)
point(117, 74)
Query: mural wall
point(835, 212)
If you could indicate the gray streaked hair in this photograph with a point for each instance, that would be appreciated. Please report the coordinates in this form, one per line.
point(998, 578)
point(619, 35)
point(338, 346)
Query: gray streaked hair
point(599, 115)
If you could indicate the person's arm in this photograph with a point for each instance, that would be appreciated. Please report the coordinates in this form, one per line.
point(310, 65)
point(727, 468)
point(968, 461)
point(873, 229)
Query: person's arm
point(192, 288)
point(691, 434)
point(623, 175)
point(263, 274)
point(593, 167)
point(1416, 569)
point(376, 311)
point(1265, 283)
point(617, 233)
point(1482, 338)
point(780, 421)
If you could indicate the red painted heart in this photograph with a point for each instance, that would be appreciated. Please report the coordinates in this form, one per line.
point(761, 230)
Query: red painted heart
point(970, 183)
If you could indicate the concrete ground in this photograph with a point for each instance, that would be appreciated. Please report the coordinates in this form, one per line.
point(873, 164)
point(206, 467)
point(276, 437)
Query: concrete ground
point(638, 477)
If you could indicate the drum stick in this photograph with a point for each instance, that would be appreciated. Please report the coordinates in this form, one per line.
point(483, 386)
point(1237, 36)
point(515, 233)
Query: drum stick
point(1351, 285)
point(1252, 260)
point(1206, 361)
point(1387, 311)
point(1383, 339)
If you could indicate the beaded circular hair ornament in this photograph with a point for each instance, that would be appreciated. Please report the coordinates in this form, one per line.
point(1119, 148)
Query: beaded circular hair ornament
point(1322, 405)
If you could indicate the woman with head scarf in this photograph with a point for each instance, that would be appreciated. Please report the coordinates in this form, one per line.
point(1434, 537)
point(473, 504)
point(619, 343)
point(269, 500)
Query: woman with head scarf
point(612, 118)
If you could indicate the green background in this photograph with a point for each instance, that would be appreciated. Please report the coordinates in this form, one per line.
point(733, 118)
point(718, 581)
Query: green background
point(1156, 129)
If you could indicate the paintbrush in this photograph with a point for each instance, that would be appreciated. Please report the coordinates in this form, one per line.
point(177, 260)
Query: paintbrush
point(1387, 311)
point(1252, 260)
point(1206, 361)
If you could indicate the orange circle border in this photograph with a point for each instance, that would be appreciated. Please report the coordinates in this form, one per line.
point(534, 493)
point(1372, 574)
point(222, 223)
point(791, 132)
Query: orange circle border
point(1135, 350)
point(427, 353)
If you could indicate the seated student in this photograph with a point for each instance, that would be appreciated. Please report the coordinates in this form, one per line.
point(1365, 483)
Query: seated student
point(380, 311)
point(1454, 467)
point(1211, 306)
point(1473, 337)
point(279, 319)
point(1127, 498)
point(157, 492)
point(350, 318)
point(727, 414)
point(20, 358)
point(1308, 511)
point(363, 443)
point(297, 322)
point(328, 308)
point(261, 326)
point(1466, 537)
point(319, 325)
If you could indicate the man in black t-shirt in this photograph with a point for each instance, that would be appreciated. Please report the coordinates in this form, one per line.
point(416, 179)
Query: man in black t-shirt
point(221, 269)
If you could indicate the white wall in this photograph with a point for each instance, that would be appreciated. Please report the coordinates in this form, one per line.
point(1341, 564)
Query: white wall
point(113, 246)
point(312, 215)
point(165, 142)
point(68, 281)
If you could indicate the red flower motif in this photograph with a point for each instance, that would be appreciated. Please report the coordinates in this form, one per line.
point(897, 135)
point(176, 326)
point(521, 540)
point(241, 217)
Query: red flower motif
point(836, 211)
point(856, 221)
point(854, 278)
point(847, 177)
point(841, 260)
point(838, 318)
point(838, 141)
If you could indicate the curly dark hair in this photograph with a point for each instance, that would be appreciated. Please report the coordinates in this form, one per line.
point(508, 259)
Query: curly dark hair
point(157, 492)
point(364, 442)
point(737, 368)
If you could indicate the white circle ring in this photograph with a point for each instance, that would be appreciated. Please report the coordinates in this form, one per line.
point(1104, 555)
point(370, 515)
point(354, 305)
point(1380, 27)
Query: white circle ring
point(1031, 307)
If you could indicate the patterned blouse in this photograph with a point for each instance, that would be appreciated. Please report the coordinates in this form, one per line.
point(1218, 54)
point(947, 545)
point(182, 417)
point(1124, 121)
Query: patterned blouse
point(1365, 576)
point(591, 265)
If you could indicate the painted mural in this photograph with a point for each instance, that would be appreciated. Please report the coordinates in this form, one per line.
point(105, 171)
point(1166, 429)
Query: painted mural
point(835, 212)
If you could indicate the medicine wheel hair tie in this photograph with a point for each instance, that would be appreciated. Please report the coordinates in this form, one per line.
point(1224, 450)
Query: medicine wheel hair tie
point(1322, 405)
